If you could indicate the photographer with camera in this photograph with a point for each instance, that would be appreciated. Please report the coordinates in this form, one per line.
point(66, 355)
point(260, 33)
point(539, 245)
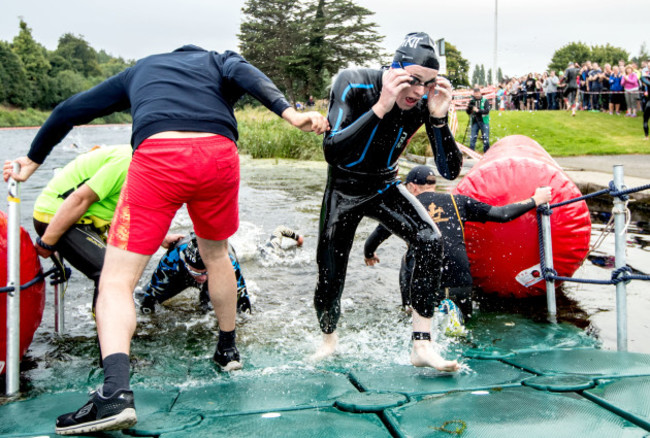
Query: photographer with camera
point(478, 110)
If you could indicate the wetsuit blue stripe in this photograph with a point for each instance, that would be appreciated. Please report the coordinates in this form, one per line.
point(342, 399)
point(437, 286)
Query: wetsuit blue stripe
point(365, 149)
point(351, 86)
point(388, 185)
point(399, 135)
point(350, 126)
point(338, 122)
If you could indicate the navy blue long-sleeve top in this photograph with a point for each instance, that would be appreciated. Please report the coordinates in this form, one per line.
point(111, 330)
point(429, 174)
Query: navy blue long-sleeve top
point(359, 141)
point(190, 89)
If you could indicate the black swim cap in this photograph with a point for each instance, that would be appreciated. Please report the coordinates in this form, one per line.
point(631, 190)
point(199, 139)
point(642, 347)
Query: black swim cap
point(417, 48)
point(191, 253)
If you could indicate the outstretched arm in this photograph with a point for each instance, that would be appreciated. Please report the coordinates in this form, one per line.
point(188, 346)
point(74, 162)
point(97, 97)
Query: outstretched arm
point(510, 212)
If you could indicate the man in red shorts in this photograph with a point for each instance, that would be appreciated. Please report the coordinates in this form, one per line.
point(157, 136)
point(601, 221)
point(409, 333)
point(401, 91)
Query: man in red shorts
point(184, 133)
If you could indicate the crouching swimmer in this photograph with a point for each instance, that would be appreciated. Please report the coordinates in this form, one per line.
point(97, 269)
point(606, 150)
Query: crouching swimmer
point(373, 114)
point(449, 212)
point(182, 267)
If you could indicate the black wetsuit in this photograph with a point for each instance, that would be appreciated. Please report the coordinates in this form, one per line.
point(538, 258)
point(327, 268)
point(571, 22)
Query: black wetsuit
point(362, 152)
point(450, 218)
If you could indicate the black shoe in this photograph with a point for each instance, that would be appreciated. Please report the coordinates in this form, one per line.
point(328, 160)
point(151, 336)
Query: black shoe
point(116, 412)
point(204, 301)
point(228, 360)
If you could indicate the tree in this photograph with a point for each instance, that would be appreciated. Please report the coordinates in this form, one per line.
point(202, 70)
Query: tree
point(457, 66)
point(34, 61)
point(270, 35)
point(300, 44)
point(489, 77)
point(499, 75)
point(15, 88)
point(572, 52)
point(77, 55)
point(608, 54)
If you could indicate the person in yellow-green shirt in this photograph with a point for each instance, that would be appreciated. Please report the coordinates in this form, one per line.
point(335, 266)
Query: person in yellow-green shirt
point(73, 212)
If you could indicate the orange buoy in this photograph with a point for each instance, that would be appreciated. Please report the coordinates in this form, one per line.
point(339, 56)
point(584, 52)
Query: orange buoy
point(32, 299)
point(504, 258)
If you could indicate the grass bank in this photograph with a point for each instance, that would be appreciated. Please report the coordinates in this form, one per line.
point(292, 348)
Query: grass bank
point(265, 135)
point(559, 133)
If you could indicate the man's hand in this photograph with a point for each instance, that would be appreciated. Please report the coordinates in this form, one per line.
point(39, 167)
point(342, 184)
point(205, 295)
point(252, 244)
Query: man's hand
point(394, 81)
point(372, 260)
point(542, 195)
point(170, 239)
point(439, 97)
point(27, 167)
point(311, 121)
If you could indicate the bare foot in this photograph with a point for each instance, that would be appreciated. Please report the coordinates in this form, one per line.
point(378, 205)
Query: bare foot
point(327, 348)
point(423, 355)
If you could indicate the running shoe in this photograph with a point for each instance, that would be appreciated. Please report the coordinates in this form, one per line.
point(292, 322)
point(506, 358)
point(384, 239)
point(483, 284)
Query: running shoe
point(228, 359)
point(453, 322)
point(100, 413)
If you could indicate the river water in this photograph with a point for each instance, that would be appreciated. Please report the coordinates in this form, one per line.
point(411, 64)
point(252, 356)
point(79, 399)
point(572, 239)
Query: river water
point(174, 346)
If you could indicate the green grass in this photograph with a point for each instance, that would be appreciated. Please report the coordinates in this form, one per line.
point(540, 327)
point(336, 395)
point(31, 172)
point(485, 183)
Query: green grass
point(559, 133)
point(262, 134)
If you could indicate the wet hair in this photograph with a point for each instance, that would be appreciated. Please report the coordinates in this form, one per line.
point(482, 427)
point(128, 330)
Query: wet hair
point(416, 49)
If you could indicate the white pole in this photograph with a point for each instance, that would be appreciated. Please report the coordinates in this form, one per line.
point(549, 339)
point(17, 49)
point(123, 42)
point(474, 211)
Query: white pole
point(494, 66)
point(548, 262)
point(620, 243)
point(13, 277)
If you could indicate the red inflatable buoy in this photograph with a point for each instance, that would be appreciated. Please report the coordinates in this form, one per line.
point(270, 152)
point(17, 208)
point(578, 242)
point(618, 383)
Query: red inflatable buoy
point(504, 258)
point(32, 299)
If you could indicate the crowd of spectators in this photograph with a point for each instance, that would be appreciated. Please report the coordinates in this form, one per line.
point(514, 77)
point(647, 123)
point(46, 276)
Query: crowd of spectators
point(615, 90)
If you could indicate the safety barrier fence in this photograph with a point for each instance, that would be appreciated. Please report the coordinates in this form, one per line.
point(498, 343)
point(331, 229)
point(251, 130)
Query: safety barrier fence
point(58, 274)
point(621, 274)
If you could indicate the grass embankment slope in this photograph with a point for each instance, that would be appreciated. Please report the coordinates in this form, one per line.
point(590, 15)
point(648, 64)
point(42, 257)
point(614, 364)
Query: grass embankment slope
point(264, 135)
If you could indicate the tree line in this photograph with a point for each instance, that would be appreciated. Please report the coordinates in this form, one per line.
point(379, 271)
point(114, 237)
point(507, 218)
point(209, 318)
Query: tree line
point(33, 77)
point(299, 44)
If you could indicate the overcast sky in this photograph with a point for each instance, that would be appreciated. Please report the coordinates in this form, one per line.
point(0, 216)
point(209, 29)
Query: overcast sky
point(528, 32)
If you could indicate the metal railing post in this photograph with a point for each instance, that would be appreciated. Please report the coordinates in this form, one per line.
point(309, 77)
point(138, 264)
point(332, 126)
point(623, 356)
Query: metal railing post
point(548, 262)
point(13, 280)
point(59, 311)
point(619, 256)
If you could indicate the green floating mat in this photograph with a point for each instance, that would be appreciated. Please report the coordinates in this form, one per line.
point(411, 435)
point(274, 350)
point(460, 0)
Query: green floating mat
point(369, 401)
point(488, 353)
point(308, 423)
point(419, 381)
point(596, 363)
point(510, 412)
point(562, 383)
point(163, 422)
point(628, 397)
point(37, 416)
point(260, 393)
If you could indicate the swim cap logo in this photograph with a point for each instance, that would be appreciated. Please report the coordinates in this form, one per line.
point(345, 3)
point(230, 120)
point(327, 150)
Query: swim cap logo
point(411, 41)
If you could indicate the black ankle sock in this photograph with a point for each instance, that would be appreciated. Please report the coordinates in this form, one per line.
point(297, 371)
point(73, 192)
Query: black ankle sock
point(226, 340)
point(116, 373)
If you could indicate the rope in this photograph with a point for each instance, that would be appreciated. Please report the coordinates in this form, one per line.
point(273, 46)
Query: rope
point(622, 194)
point(550, 274)
point(54, 273)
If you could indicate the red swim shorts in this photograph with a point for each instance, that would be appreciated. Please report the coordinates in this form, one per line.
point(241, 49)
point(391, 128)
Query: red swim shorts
point(166, 173)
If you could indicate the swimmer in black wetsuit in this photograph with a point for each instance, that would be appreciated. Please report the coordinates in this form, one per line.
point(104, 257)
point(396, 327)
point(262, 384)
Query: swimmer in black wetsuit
point(449, 212)
point(373, 114)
